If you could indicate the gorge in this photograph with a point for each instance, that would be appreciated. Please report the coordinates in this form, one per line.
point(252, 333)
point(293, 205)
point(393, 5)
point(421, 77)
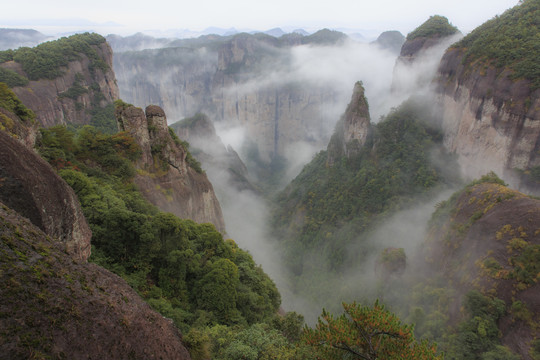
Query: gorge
point(328, 197)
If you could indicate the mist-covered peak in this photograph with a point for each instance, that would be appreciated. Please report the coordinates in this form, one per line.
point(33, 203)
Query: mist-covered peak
point(391, 40)
point(300, 31)
point(326, 37)
point(15, 38)
point(275, 32)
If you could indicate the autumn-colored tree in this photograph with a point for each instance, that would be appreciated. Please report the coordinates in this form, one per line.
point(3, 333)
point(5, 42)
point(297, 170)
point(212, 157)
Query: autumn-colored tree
point(368, 333)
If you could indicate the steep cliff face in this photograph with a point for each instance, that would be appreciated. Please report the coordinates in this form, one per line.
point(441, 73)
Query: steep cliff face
point(179, 82)
point(490, 120)
point(30, 186)
point(53, 307)
point(83, 83)
point(236, 81)
point(273, 113)
point(489, 93)
point(487, 238)
point(167, 175)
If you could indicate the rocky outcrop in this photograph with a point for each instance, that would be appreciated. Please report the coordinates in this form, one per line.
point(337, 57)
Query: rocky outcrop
point(487, 238)
point(490, 120)
point(53, 307)
point(353, 129)
point(167, 176)
point(31, 187)
point(69, 97)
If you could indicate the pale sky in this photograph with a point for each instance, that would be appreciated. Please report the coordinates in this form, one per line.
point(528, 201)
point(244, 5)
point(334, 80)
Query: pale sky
point(127, 17)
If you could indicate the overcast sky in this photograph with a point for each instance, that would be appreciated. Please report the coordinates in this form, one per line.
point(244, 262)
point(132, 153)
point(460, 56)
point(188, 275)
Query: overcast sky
point(129, 16)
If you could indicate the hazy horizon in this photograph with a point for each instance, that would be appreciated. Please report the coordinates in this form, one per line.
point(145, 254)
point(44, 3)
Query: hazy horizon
point(172, 18)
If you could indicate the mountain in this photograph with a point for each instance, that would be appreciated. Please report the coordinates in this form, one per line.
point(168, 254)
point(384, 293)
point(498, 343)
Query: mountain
point(327, 213)
point(53, 303)
point(486, 238)
point(166, 165)
point(32, 188)
point(64, 81)
point(15, 38)
point(420, 55)
point(487, 87)
point(231, 80)
point(392, 40)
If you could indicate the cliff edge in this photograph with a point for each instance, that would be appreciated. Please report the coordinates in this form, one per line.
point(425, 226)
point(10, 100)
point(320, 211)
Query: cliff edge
point(167, 175)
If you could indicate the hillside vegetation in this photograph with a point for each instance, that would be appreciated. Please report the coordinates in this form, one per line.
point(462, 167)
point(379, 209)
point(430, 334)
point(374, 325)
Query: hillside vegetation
point(510, 41)
point(46, 60)
point(209, 287)
point(434, 26)
point(327, 207)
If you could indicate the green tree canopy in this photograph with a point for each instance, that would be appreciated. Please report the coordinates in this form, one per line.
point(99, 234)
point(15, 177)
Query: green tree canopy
point(368, 333)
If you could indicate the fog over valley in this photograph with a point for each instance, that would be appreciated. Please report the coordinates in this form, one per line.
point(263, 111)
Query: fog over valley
point(359, 190)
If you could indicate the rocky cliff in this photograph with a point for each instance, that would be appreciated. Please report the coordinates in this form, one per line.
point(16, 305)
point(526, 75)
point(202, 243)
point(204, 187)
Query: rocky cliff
point(77, 78)
point(489, 95)
point(236, 81)
point(353, 129)
point(53, 307)
point(178, 79)
point(487, 238)
point(167, 175)
point(31, 187)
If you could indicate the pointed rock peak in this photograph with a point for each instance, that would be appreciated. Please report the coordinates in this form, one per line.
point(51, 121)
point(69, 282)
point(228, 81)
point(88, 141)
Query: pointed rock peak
point(357, 120)
point(353, 129)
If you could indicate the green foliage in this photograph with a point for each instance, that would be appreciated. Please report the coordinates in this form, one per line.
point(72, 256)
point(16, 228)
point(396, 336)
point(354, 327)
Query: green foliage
point(435, 26)
point(10, 102)
point(6, 55)
point(339, 203)
point(479, 335)
point(535, 349)
point(364, 332)
point(183, 269)
point(11, 78)
point(216, 291)
point(526, 265)
point(508, 41)
point(103, 119)
point(46, 60)
point(500, 353)
point(75, 90)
